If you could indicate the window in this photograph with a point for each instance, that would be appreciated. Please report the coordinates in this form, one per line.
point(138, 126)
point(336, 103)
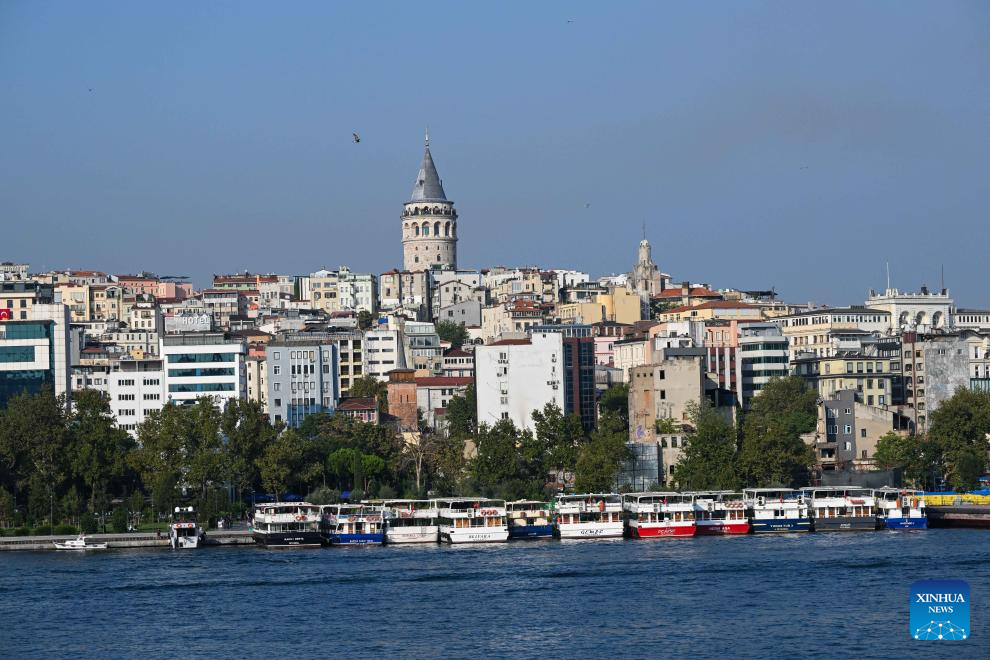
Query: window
point(847, 429)
point(277, 355)
point(277, 387)
point(276, 370)
point(862, 433)
point(278, 403)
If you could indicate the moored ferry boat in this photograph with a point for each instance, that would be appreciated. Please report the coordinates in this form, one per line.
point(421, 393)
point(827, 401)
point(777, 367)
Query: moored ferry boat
point(184, 531)
point(472, 520)
point(776, 510)
point(287, 524)
point(720, 512)
point(841, 508)
point(653, 515)
point(588, 516)
point(901, 509)
point(529, 519)
point(352, 524)
point(411, 521)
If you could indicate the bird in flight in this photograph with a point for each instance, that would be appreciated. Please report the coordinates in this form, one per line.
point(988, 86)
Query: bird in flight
point(570, 20)
point(91, 89)
point(587, 205)
point(356, 138)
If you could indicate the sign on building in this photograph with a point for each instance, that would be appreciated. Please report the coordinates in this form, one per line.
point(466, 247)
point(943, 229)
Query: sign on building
point(188, 323)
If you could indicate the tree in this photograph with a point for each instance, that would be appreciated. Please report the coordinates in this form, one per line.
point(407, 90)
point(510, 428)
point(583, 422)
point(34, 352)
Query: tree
point(99, 449)
point(496, 461)
point(372, 388)
point(280, 462)
point(560, 437)
point(916, 457)
point(600, 459)
point(961, 428)
point(453, 332)
point(708, 461)
point(364, 319)
point(462, 414)
point(616, 400)
point(773, 453)
point(248, 431)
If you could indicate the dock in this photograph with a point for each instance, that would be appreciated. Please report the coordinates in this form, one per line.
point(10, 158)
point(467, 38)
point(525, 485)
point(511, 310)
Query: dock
point(215, 537)
point(959, 515)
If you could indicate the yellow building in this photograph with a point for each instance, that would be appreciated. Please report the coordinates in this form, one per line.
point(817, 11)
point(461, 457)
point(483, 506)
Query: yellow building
point(323, 287)
point(77, 298)
point(723, 310)
point(619, 305)
point(870, 376)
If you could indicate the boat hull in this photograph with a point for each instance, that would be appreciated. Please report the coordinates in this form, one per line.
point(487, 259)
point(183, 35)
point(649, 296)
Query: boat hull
point(662, 531)
point(722, 528)
point(904, 523)
point(846, 524)
point(456, 537)
point(421, 535)
point(357, 539)
point(530, 532)
point(590, 531)
point(780, 525)
point(289, 539)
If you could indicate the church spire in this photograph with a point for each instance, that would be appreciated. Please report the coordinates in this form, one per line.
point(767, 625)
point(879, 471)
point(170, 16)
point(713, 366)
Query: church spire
point(428, 186)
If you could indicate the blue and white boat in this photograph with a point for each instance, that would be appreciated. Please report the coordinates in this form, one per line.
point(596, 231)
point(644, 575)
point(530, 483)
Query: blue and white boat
point(776, 510)
point(529, 519)
point(353, 524)
point(901, 509)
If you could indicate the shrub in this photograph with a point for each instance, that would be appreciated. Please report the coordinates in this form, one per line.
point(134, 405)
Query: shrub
point(88, 523)
point(356, 495)
point(324, 496)
point(66, 529)
point(22, 531)
point(118, 521)
point(43, 530)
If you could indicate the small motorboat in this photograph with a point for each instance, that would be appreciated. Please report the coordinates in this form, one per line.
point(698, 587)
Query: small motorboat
point(79, 543)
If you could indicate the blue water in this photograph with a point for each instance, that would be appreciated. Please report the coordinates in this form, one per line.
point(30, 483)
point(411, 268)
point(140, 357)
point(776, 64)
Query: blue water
point(799, 595)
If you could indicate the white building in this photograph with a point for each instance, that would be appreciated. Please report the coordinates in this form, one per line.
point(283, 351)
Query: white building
point(135, 388)
point(203, 364)
point(356, 291)
point(384, 351)
point(761, 355)
point(919, 312)
point(517, 376)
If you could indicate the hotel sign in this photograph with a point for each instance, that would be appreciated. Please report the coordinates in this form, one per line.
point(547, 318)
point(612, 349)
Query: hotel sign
point(188, 323)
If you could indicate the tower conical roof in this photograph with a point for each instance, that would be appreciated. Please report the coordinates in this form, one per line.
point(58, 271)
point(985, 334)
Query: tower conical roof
point(428, 186)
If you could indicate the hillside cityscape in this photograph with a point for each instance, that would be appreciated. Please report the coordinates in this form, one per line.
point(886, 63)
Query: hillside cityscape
point(440, 378)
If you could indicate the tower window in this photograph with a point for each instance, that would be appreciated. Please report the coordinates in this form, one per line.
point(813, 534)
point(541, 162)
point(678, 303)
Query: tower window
point(426, 230)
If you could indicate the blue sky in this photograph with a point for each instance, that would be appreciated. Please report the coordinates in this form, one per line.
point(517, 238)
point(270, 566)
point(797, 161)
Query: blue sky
point(785, 144)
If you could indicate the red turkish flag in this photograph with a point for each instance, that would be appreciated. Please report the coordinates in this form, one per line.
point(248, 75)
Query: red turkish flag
point(6, 315)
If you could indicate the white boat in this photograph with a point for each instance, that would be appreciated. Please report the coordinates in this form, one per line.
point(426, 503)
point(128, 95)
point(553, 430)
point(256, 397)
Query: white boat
point(352, 524)
point(411, 521)
point(79, 543)
point(841, 508)
point(596, 515)
point(659, 514)
point(901, 509)
point(776, 510)
point(472, 520)
point(720, 512)
point(184, 532)
point(287, 524)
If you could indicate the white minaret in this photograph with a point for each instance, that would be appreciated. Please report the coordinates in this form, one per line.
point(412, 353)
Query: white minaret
point(429, 221)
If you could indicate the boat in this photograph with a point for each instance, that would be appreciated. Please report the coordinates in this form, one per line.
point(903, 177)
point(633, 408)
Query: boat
point(841, 508)
point(530, 519)
point(411, 521)
point(184, 532)
point(776, 510)
point(901, 509)
point(590, 515)
point(287, 524)
point(472, 520)
point(720, 512)
point(657, 514)
point(352, 524)
point(79, 543)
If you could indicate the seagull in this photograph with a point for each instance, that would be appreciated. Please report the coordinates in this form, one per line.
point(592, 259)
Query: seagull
point(570, 20)
point(91, 89)
point(587, 205)
point(356, 138)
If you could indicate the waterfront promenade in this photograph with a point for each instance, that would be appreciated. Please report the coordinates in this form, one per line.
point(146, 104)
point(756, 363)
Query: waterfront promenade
point(126, 540)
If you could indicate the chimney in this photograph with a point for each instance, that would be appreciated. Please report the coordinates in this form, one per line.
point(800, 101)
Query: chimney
point(685, 288)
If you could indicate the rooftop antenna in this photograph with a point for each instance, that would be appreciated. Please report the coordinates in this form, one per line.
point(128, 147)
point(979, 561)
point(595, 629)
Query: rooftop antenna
point(888, 275)
point(427, 136)
point(644, 230)
point(943, 278)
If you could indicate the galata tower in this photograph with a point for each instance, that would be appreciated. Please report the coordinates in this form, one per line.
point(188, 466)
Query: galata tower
point(429, 222)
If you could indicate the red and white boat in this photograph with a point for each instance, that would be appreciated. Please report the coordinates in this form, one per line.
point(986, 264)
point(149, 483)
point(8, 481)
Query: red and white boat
point(720, 512)
point(651, 515)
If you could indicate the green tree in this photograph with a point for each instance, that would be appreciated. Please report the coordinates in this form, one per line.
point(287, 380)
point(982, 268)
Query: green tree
point(917, 457)
point(462, 414)
point(364, 319)
point(773, 453)
point(248, 431)
point(615, 400)
point(372, 388)
point(280, 462)
point(497, 460)
point(560, 437)
point(453, 332)
point(99, 449)
point(708, 461)
point(960, 426)
point(666, 426)
point(600, 459)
